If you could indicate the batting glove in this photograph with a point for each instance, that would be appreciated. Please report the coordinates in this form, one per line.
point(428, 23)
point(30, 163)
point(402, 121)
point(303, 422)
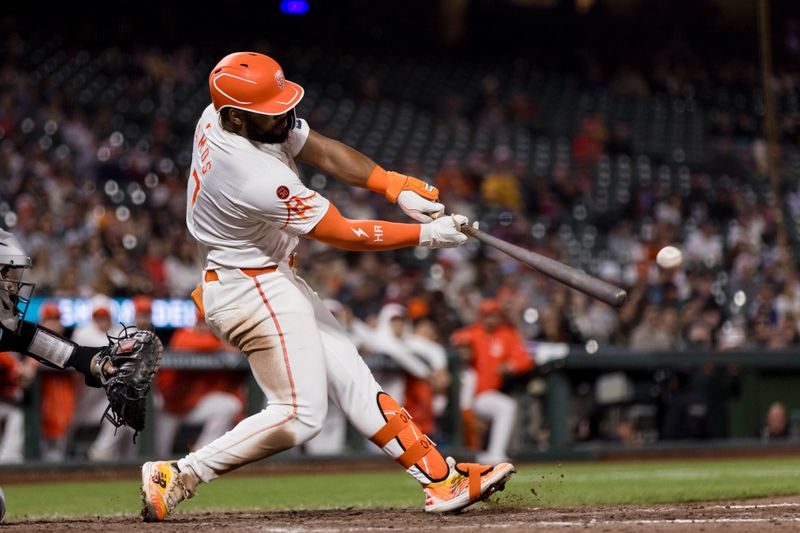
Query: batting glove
point(419, 208)
point(444, 232)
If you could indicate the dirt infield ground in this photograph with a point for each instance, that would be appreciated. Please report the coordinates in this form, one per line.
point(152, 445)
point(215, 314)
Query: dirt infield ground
point(773, 515)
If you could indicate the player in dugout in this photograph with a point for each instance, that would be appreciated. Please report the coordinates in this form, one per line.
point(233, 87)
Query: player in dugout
point(247, 208)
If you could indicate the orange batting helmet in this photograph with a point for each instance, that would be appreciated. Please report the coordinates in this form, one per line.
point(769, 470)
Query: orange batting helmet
point(252, 82)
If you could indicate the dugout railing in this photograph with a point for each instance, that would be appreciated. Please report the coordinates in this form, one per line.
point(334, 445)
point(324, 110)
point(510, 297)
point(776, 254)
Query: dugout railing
point(553, 390)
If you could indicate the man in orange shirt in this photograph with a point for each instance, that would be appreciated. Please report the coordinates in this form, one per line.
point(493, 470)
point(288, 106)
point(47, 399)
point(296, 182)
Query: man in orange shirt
point(59, 395)
point(494, 349)
point(210, 398)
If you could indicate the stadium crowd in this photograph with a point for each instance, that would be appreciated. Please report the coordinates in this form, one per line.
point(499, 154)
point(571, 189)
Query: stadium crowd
point(600, 168)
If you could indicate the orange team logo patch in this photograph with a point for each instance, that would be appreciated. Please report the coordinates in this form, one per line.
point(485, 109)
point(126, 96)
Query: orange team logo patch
point(279, 79)
point(297, 207)
point(282, 192)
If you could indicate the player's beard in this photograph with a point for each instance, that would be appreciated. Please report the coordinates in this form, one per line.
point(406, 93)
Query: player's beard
point(275, 135)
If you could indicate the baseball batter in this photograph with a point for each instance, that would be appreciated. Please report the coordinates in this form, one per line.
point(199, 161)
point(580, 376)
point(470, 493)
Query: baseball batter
point(247, 209)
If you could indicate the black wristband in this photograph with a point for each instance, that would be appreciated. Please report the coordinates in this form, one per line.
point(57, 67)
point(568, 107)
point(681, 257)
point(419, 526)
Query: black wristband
point(83, 364)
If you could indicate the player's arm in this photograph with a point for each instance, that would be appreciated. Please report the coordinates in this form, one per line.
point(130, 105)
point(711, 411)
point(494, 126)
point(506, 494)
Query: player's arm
point(53, 350)
point(418, 199)
point(296, 210)
point(519, 360)
point(376, 235)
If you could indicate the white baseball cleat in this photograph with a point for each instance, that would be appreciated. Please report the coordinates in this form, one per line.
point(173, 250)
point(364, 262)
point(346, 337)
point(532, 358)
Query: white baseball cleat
point(163, 488)
point(467, 483)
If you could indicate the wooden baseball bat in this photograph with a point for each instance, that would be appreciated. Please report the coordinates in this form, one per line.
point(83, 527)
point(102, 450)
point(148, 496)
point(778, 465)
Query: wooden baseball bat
point(569, 276)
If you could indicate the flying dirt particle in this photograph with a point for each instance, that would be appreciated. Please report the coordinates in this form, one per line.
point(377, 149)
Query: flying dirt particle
point(562, 475)
point(533, 491)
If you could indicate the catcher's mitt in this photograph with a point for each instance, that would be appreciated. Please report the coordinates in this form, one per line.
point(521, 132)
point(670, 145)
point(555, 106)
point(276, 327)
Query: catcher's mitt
point(135, 358)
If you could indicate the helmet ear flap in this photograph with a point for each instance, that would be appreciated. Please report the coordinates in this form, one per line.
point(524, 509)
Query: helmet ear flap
point(15, 296)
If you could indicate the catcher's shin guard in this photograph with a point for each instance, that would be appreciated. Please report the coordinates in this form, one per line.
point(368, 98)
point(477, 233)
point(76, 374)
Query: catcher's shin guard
point(418, 450)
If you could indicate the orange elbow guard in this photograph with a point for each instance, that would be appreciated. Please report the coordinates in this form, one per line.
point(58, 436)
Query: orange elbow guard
point(391, 184)
point(363, 235)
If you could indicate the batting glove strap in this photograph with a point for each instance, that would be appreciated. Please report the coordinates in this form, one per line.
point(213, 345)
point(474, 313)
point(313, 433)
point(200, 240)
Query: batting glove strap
point(391, 184)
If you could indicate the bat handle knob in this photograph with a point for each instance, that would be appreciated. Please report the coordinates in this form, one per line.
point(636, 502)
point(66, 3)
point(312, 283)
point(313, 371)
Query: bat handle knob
point(620, 297)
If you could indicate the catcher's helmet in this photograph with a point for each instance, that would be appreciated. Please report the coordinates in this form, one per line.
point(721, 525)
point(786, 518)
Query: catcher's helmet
point(15, 294)
point(252, 82)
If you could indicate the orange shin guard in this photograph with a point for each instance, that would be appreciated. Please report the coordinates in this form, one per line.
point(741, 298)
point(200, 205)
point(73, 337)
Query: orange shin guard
point(419, 450)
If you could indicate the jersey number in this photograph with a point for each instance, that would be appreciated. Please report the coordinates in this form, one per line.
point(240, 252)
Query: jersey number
point(196, 186)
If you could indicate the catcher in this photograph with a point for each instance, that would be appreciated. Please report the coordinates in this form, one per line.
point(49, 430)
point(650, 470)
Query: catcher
point(125, 368)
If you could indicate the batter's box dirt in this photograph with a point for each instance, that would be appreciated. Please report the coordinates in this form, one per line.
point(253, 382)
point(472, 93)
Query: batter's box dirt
point(773, 515)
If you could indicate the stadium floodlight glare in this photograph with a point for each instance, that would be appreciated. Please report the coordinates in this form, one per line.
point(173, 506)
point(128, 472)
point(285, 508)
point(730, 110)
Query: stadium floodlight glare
point(295, 7)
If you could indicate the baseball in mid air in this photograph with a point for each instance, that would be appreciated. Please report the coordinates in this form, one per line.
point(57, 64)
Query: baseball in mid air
point(669, 257)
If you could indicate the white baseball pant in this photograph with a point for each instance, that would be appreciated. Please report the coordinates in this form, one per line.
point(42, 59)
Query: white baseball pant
point(299, 354)
point(501, 411)
point(12, 439)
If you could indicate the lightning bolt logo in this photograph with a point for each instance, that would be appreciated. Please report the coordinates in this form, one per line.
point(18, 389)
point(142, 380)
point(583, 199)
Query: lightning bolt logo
point(359, 232)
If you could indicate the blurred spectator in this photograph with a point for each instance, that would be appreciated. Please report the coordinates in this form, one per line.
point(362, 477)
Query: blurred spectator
point(143, 318)
point(143, 312)
point(731, 336)
point(110, 443)
point(451, 181)
point(777, 426)
point(426, 398)
point(657, 330)
point(554, 326)
point(212, 399)
point(153, 265)
point(589, 143)
point(704, 246)
point(12, 416)
point(592, 318)
point(785, 334)
point(493, 352)
point(391, 340)
point(182, 270)
point(59, 394)
point(500, 187)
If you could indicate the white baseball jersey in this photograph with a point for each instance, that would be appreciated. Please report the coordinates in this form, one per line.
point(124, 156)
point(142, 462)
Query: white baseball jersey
point(245, 204)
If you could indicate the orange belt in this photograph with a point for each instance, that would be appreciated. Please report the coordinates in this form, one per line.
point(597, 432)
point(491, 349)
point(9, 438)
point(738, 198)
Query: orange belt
point(211, 275)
